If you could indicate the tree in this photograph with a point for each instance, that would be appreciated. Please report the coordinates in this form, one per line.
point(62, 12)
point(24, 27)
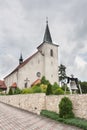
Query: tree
point(62, 73)
point(83, 86)
point(10, 91)
point(17, 91)
point(44, 81)
point(49, 89)
point(55, 86)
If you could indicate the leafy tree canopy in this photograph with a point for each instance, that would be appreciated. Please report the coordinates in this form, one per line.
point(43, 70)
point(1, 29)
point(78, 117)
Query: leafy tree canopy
point(62, 72)
point(83, 86)
point(44, 80)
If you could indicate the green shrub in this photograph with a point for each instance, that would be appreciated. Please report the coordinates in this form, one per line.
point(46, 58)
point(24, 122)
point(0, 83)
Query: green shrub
point(26, 90)
point(1, 91)
point(43, 88)
point(36, 89)
point(65, 87)
point(17, 91)
point(10, 91)
point(49, 89)
point(58, 91)
point(55, 86)
point(44, 81)
point(65, 108)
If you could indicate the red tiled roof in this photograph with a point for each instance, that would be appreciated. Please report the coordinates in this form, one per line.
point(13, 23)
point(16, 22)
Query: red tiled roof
point(2, 85)
point(21, 65)
point(36, 82)
point(14, 85)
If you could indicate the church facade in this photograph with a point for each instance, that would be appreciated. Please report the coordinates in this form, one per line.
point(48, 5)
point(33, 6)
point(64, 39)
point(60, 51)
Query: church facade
point(42, 63)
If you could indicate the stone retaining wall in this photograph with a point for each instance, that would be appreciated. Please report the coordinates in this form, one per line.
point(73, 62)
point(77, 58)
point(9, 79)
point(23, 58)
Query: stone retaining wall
point(36, 102)
point(31, 102)
point(79, 104)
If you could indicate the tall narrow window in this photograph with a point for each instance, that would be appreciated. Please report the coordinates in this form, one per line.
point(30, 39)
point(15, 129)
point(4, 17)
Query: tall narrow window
point(51, 52)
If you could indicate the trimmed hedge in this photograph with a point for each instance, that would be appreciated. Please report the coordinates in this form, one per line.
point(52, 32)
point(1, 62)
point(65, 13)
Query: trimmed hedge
point(65, 108)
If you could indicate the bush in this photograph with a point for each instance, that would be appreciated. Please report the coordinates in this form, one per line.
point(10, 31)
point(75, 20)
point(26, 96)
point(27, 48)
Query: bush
point(17, 91)
point(65, 108)
point(58, 91)
point(26, 90)
point(43, 88)
point(83, 86)
point(55, 86)
point(44, 81)
point(10, 91)
point(65, 87)
point(36, 89)
point(49, 89)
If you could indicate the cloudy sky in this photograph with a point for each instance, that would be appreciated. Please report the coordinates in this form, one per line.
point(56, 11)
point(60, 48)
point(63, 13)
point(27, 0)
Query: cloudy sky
point(22, 27)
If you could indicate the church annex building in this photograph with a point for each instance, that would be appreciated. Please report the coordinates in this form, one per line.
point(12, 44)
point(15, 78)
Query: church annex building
point(42, 63)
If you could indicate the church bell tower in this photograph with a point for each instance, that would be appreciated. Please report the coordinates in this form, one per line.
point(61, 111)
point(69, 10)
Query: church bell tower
point(50, 56)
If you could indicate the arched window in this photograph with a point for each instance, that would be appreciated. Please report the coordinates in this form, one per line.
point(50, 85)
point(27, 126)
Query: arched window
point(51, 52)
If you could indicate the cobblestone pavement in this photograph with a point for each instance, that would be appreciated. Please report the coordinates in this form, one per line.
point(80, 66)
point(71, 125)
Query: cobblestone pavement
point(16, 119)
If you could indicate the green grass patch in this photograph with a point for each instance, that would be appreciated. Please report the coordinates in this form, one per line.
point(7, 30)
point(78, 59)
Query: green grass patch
point(78, 122)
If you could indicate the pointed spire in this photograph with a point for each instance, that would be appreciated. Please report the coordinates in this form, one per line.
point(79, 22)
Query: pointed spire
point(21, 59)
point(47, 35)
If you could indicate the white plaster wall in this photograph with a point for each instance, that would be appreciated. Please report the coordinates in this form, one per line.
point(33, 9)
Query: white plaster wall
point(10, 80)
point(30, 69)
point(50, 63)
point(41, 62)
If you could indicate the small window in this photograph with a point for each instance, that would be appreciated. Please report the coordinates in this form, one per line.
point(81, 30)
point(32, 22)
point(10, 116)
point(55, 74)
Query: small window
point(38, 74)
point(51, 52)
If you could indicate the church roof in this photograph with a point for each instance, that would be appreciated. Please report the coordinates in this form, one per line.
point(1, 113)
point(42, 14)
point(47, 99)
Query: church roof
point(14, 85)
point(36, 82)
point(2, 85)
point(47, 36)
point(22, 64)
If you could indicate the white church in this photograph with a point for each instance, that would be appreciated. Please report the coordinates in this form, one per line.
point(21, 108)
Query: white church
point(42, 63)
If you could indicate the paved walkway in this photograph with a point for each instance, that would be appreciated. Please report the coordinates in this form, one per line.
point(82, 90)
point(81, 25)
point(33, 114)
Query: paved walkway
point(16, 119)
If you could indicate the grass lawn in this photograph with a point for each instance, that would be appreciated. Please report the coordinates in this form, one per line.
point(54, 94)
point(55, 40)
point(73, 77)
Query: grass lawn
point(81, 123)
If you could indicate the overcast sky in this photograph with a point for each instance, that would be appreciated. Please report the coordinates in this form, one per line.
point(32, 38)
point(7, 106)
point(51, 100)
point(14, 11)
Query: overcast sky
point(22, 27)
